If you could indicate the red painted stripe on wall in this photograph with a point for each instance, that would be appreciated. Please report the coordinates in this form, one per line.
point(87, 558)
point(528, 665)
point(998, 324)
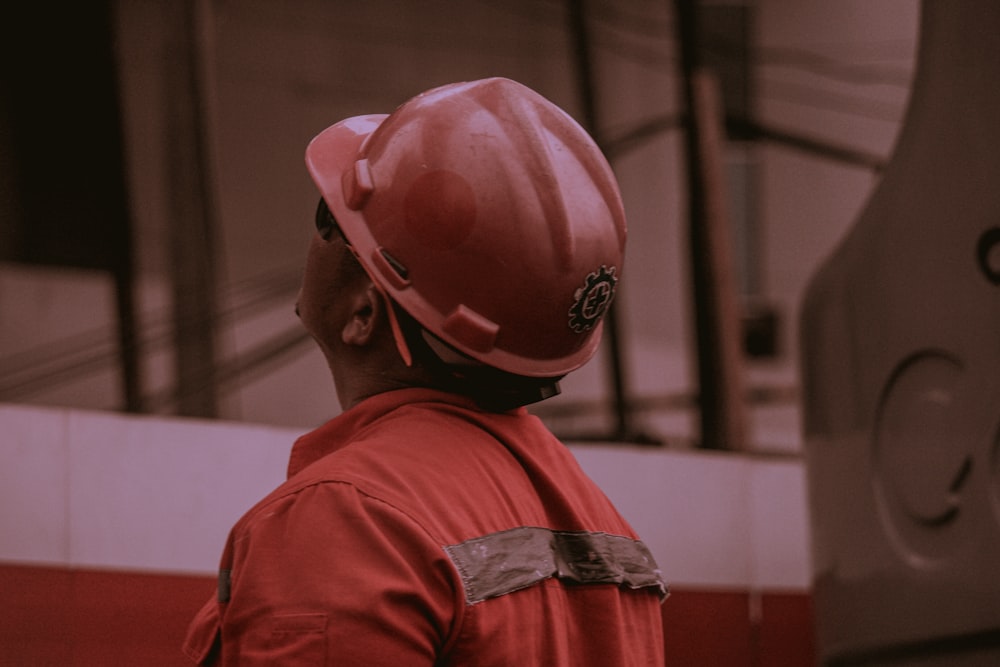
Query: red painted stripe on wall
point(76, 618)
point(736, 628)
point(67, 617)
point(787, 632)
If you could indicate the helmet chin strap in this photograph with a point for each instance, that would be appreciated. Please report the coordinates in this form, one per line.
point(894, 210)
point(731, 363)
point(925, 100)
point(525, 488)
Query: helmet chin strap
point(397, 331)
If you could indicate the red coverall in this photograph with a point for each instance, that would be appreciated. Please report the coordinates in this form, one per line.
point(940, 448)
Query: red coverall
point(415, 529)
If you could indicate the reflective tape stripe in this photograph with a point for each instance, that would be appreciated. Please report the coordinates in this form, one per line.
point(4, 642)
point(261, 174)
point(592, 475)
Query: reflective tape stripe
point(510, 560)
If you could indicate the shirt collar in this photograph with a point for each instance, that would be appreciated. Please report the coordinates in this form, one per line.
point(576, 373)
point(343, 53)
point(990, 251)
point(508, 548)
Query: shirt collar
point(342, 429)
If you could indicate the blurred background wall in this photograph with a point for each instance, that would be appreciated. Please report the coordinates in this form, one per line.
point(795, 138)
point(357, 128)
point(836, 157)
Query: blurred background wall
point(212, 210)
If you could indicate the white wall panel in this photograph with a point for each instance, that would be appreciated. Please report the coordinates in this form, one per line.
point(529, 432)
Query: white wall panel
point(162, 494)
point(111, 491)
point(779, 521)
point(34, 485)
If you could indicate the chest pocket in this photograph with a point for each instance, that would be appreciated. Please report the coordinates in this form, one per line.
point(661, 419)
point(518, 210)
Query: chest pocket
point(282, 639)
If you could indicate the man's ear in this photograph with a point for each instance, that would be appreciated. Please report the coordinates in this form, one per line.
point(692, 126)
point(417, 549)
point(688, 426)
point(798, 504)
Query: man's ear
point(367, 310)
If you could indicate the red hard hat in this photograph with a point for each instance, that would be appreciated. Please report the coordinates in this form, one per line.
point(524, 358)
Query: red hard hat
point(488, 214)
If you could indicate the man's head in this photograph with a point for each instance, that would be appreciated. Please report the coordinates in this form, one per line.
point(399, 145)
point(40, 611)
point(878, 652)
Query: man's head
point(488, 216)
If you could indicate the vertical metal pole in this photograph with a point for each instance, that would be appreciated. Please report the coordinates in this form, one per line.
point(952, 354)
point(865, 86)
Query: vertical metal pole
point(716, 313)
point(192, 216)
point(129, 352)
point(623, 429)
point(123, 269)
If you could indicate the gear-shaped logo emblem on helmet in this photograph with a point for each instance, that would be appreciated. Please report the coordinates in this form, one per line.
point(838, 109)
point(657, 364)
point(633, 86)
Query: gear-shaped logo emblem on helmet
point(592, 300)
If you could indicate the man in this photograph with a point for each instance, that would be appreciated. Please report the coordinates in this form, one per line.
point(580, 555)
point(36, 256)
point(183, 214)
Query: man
point(467, 247)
